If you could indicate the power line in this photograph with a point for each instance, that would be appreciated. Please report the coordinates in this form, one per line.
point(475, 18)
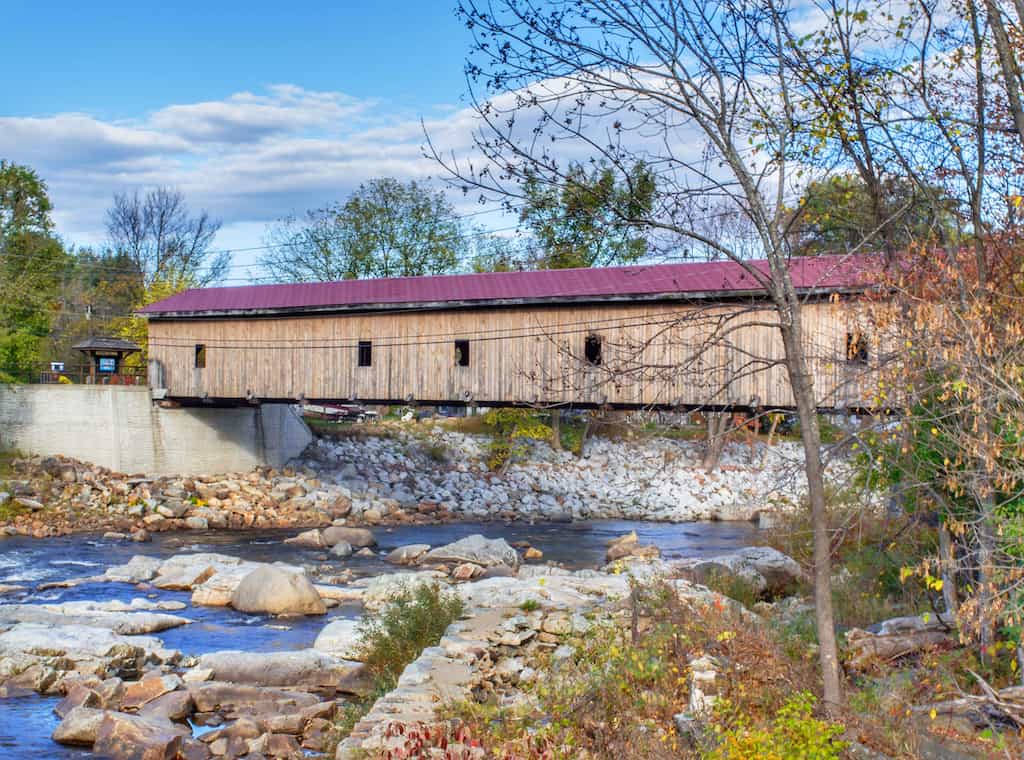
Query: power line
point(574, 328)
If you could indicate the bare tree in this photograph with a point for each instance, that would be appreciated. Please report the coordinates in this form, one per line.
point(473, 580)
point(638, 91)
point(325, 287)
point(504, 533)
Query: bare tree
point(694, 91)
point(164, 241)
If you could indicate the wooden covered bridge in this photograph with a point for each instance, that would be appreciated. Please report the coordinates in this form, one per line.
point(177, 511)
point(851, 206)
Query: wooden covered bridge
point(693, 335)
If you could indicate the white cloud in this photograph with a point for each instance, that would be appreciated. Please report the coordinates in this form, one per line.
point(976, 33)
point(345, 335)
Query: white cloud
point(247, 159)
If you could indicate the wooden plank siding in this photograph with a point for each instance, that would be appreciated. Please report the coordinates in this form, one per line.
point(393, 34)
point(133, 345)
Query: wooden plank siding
point(652, 354)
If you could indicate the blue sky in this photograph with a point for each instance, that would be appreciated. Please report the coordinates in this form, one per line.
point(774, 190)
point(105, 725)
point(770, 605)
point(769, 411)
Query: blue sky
point(118, 59)
point(255, 110)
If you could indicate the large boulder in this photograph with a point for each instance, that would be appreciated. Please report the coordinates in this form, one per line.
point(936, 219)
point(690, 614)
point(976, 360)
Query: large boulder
point(129, 737)
point(767, 570)
point(477, 549)
point(216, 591)
point(357, 537)
point(79, 727)
point(274, 591)
point(300, 669)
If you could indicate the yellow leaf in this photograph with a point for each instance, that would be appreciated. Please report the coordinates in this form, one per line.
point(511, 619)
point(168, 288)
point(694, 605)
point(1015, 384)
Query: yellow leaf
point(932, 714)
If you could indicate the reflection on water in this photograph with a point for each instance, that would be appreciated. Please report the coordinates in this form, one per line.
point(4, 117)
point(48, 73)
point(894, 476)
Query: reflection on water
point(27, 723)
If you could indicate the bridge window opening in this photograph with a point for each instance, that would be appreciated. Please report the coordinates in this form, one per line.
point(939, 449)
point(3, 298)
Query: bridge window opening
point(462, 353)
point(365, 353)
point(200, 358)
point(856, 348)
point(592, 349)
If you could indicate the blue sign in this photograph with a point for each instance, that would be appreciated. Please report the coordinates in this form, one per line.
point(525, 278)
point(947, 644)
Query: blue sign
point(108, 365)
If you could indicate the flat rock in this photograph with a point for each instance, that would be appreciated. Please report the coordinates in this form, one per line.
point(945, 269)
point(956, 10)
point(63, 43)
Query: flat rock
point(140, 693)
point(477, 549)
point(76, 641)
point(340, 638)
point(173, 706)
point(138, 569)
point(302, 669)
point(245, 699)
point(125, 623)
point(408, 554)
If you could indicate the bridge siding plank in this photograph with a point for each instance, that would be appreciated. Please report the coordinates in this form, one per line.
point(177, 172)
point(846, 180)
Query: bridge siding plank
point(516, 355)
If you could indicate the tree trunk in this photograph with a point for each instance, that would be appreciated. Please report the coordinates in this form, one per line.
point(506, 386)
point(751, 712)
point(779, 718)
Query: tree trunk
point(803, 393)
point(986, 552)
point(718, 422)
point(556, 429)
point(947, 561)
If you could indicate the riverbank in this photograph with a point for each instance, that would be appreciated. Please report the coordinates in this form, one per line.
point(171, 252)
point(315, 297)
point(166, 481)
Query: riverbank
point(413, 474)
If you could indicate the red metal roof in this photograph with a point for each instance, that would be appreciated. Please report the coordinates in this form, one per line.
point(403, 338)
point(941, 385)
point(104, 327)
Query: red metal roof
point(695, 279)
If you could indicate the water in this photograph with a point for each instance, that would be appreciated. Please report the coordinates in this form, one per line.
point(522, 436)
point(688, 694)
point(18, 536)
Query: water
point(27, 723)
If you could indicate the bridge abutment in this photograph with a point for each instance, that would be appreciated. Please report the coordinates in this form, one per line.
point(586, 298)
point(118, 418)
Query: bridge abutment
point(120, 427)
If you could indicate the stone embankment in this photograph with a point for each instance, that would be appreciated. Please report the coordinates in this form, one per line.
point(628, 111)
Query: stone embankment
point(411, 477)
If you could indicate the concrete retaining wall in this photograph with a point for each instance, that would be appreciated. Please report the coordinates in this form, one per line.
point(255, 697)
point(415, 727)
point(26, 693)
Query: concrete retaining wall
point(119, 427)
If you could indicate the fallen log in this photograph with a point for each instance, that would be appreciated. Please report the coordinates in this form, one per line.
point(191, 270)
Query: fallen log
point(867, 648)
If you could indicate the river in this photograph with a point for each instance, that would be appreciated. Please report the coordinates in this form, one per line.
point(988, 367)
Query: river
point(26, 723)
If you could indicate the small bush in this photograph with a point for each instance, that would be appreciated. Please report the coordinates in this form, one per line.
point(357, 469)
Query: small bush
point(10, 509)
point(412, 620)
point(794, 734)
point(529, 605)
point(733, 586)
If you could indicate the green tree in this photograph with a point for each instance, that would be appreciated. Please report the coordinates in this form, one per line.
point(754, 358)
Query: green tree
point(32, 265)
point(99, 290)
point(837, 215)
point(590, 218)
point(386, 228)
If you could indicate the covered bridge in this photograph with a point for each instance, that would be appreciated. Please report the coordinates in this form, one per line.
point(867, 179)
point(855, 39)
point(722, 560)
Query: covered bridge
point(672, 335)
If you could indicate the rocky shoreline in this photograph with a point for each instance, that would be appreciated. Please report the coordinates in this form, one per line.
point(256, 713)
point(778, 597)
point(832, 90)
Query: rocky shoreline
point(410, 477)
point(124, 694)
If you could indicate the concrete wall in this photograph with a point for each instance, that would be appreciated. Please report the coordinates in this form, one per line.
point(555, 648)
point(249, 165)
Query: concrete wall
point(121, 428)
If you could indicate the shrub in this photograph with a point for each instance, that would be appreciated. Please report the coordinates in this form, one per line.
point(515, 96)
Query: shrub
point(509, 429)
point(794, 734)
point(413, 619)
point(733, 586)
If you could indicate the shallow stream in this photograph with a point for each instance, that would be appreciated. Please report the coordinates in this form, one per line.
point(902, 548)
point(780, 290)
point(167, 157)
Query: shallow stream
point(26, 724)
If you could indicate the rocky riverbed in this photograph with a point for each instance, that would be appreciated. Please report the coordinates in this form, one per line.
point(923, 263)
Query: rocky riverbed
point(172, 643)
point(412, 476)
